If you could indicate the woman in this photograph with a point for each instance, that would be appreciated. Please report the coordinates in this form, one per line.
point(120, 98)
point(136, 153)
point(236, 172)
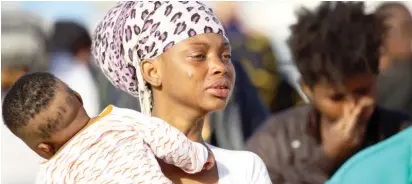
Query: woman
point(175, 57)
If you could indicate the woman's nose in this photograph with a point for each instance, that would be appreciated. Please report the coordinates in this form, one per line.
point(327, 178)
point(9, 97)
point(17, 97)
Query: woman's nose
point(217, 66)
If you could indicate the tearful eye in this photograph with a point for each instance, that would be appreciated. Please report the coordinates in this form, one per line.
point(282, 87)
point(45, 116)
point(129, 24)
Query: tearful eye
point(198, 57)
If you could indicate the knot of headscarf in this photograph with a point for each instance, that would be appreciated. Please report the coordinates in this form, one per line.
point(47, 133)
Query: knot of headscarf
point(133, 32)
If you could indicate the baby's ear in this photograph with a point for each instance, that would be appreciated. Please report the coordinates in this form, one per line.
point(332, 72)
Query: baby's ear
point(45, 150)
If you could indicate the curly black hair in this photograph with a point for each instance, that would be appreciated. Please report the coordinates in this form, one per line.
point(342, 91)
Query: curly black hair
point(29, 95)
point(335, 41)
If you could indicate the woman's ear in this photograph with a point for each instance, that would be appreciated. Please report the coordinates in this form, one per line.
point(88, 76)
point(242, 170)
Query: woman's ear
point(151, 72)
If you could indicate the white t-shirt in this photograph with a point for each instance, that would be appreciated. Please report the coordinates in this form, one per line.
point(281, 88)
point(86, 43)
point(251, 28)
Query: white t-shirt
point(240, 167)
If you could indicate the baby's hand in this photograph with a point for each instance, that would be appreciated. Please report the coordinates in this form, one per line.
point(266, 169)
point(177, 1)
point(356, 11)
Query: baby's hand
point(173, 147)
point(210, 163)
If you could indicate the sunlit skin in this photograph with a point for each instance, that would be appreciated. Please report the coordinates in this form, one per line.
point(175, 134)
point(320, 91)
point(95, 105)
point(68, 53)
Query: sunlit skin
point(184, 100)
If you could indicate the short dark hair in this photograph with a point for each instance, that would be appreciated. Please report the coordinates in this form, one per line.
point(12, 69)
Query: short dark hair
point(29, 95)
point(336, 41)
point(70, 36)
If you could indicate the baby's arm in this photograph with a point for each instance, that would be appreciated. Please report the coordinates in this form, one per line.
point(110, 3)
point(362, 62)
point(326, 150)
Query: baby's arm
point(119, 158)
point(172, 146)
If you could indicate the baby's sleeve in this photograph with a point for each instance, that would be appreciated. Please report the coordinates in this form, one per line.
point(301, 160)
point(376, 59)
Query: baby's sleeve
point(173, 147)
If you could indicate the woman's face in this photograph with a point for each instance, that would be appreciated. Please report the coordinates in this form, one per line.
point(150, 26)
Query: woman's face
point(198, 72)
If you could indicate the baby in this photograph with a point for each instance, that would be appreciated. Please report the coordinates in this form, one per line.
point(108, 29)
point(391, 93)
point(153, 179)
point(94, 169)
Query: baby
point(118, 146)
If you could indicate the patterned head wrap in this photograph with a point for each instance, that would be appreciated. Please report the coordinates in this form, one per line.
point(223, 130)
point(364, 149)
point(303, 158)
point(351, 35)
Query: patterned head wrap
point(135, 31)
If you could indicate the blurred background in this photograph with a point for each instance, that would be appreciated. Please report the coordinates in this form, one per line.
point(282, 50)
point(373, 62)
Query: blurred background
point(56, 37)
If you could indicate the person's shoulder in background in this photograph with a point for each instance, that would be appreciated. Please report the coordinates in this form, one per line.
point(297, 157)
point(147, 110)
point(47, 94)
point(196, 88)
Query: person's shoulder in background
point(271, 140)
point(240, 166)
point(385, 162)
point(286, 120)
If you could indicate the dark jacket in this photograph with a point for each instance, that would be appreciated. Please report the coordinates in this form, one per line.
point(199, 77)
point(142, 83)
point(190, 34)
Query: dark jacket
point(289, 143)
point(395, 87)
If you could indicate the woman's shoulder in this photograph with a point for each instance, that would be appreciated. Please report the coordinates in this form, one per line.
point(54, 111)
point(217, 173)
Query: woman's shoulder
point(243, 165)
point(235, 155)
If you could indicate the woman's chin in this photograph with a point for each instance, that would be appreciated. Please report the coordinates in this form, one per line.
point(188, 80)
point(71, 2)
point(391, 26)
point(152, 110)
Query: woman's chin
point(216, 105)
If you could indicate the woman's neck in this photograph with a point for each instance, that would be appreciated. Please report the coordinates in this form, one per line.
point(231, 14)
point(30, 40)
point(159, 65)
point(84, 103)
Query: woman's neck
point(184, 119)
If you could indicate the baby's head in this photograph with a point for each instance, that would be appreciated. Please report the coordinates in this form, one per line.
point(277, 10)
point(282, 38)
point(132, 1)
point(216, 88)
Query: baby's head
point(43, 112)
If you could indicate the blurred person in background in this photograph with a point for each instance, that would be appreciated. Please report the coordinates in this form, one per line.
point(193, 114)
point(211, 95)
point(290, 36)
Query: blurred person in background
point(254, 52)
point(336, 48)
point(24, 48)
point(395, 79)
point(111, 95)
point(70, 61)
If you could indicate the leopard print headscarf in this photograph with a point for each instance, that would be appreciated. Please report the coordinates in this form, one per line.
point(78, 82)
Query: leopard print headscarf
point(135, 31)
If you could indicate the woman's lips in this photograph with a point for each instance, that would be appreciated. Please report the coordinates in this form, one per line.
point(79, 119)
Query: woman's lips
point(220, 88)
point(219, 92)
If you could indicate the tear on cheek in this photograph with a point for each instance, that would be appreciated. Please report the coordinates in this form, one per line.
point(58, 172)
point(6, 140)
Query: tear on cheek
point(189, 73)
